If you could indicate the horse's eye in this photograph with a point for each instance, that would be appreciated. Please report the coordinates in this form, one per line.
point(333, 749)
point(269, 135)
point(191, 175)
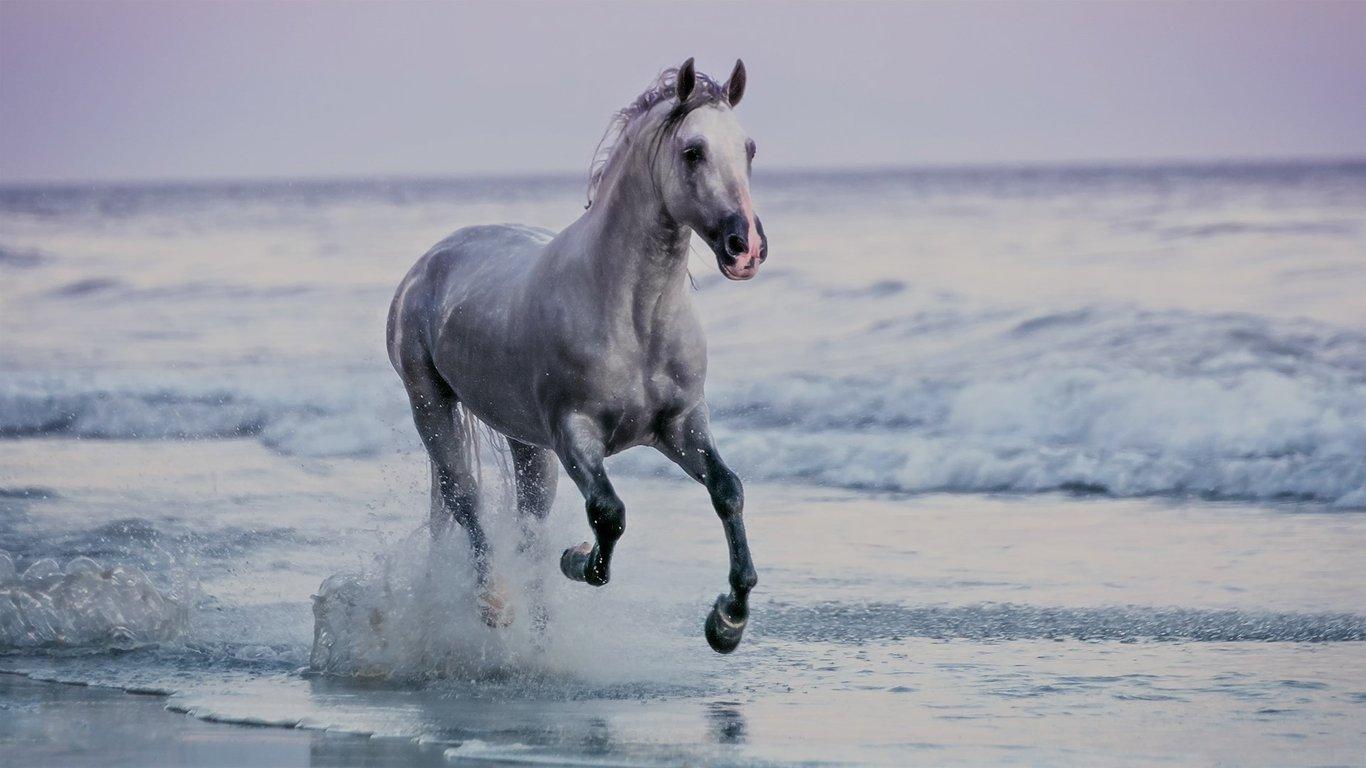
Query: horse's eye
point(694, 154)
point(751, 148)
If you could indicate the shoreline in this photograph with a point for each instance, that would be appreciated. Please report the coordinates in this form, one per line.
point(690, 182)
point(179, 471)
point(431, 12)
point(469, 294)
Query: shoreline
point(141, 728)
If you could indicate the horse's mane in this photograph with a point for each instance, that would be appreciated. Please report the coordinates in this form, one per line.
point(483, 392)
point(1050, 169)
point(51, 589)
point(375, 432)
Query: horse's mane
point(665, 87)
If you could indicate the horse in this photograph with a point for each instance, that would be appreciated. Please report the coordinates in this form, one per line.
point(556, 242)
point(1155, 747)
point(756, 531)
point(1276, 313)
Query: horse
point(579, 345)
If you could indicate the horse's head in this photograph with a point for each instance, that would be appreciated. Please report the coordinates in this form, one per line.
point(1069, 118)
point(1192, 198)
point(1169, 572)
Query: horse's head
point(703, 167)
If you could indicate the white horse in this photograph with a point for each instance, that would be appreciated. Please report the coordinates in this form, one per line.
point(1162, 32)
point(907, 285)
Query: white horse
point(581, 344)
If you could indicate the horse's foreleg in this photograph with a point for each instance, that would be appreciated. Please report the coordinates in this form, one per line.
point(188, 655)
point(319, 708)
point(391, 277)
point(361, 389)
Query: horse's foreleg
point(688, 442)
point(581, 448)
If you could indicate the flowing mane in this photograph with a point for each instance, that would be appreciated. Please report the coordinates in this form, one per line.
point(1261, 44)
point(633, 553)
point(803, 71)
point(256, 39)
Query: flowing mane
point(665, 87)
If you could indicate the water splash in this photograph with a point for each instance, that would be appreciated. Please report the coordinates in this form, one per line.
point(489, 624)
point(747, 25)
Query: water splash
point(412, 615)
point(84, 605)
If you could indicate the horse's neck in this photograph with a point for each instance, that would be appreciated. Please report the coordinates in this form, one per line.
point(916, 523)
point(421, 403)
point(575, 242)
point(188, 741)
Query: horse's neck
point(638, 257)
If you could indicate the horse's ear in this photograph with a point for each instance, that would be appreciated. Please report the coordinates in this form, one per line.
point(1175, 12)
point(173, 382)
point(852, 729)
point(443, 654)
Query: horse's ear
point(687, 78)
point(735, 84)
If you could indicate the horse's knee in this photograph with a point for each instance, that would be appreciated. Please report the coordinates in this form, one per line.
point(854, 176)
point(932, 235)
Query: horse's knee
point(607, 515)
point(727, 494)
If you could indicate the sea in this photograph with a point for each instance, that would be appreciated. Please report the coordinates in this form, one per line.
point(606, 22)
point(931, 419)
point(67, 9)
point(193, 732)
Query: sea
point(1044, 465)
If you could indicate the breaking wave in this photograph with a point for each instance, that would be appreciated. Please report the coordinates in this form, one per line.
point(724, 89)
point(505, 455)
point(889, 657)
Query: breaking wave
point(1108, 400)
point(346, 415)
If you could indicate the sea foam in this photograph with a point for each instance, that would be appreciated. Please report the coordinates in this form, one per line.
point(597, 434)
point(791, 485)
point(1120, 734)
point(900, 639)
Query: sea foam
point(411, 614)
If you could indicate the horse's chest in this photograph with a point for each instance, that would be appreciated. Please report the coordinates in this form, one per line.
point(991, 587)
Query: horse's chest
point(634, 402)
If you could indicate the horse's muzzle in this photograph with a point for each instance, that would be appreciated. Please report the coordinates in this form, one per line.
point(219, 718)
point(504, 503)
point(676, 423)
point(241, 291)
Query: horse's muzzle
point(739, 248)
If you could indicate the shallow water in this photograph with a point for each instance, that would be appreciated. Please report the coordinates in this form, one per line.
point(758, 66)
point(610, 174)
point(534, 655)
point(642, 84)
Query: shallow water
point(1058, 466)
point(940, 628)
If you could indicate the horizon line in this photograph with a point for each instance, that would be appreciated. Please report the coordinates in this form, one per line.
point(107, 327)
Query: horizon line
point(790, 170)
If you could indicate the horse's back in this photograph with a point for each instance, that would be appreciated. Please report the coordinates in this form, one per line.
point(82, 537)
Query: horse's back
point(487, 251)
point(479, 259)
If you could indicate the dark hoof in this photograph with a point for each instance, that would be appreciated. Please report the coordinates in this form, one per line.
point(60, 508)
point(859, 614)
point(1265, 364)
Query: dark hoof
point(723, 632)
point(577, 563)
point(572, 562)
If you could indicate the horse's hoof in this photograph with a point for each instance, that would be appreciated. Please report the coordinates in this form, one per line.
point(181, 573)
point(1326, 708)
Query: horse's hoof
point(723, 632)
point(574, 559)
point(577, 564)
point(494, 607)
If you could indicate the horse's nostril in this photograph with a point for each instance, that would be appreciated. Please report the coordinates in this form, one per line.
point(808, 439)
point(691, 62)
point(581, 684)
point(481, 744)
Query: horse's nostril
point(736, 245)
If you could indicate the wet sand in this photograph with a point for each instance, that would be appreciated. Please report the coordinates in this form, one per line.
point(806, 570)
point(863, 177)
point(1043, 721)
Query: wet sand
point(59, 724)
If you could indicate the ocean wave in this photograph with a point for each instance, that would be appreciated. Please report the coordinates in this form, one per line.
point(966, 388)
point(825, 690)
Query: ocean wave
point(88, 286)
point(17, 257)
point(322, 418)
point(1112, 400)
point(115, 289)
point(1262, 436)
point(130, 415)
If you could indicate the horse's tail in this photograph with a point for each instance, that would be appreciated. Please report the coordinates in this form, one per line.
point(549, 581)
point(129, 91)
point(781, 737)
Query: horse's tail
point(482, 440)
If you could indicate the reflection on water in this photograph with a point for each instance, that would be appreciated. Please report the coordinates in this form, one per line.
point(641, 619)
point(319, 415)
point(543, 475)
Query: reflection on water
point(727, 722)
point(332, 751)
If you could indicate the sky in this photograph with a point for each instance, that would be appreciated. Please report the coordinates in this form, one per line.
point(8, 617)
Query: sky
point(116, 90)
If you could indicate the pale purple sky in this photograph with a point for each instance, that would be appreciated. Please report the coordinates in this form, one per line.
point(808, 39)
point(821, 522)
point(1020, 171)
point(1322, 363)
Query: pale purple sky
point(118, 90)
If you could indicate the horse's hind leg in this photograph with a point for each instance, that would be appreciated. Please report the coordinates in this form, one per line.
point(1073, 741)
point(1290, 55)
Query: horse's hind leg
point(536, 475)
point(455, 488)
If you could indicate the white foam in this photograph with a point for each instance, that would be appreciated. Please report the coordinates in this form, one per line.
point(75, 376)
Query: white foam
point(1116, 399)
point(84, 605)
point(344, 415)
point(407, 615)
point(1257, 435)
point(411, 614)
